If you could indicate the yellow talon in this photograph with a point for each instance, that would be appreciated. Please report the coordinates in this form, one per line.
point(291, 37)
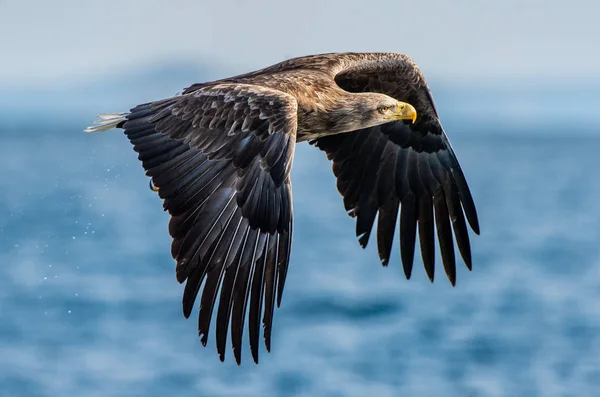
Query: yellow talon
point(153, 187)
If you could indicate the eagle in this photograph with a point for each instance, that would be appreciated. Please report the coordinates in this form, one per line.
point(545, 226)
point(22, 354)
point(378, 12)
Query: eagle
point(220, 154)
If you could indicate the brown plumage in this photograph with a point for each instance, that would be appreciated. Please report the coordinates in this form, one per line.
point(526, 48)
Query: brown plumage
point(220, 156)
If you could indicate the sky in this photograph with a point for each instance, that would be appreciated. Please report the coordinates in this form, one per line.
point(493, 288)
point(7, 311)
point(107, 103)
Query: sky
point(501, 42)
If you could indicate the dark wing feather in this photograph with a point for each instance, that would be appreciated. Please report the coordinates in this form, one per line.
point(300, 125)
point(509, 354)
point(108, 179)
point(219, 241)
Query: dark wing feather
point(221, 158)
point(412, 166)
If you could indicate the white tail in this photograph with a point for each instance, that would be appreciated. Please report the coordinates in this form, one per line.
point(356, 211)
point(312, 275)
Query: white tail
point(107, 121)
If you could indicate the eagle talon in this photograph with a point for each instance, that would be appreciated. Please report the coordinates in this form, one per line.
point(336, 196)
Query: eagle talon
point(153, 187)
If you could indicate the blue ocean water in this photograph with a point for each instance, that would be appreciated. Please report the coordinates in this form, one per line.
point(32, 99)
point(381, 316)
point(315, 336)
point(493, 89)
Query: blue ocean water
point(89, 304)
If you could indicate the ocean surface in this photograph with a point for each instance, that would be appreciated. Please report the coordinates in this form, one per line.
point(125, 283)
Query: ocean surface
point(89, 304)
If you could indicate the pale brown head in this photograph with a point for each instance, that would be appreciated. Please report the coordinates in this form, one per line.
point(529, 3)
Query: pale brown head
point(363, 110)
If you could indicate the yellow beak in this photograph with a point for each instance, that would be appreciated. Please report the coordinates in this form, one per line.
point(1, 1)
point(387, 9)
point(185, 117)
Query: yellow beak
point(406, 111)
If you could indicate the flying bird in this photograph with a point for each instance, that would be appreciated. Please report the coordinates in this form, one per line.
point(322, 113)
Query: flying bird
point(220, 153)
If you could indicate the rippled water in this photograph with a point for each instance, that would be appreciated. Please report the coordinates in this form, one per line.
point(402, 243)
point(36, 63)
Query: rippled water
point(89, 304)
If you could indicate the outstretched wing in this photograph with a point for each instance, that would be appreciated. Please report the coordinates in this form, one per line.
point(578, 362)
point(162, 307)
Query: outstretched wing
point(221, 157)
point(397, 165)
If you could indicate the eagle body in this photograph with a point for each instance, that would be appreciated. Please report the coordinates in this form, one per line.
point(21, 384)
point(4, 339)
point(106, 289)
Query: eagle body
point(220, 156)
point(320, 89)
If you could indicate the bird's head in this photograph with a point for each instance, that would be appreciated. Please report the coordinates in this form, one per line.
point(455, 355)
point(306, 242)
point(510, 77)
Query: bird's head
point(367, 109)
point(387, 109)
point(373, 109)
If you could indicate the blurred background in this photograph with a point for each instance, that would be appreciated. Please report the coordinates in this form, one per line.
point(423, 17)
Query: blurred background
point(89, 304)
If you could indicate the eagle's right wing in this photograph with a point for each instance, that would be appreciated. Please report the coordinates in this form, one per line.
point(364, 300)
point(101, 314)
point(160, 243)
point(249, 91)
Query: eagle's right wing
point(221, 158)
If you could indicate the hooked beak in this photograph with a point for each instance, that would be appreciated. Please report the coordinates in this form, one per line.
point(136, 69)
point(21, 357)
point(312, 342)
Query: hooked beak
point(406, 111)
